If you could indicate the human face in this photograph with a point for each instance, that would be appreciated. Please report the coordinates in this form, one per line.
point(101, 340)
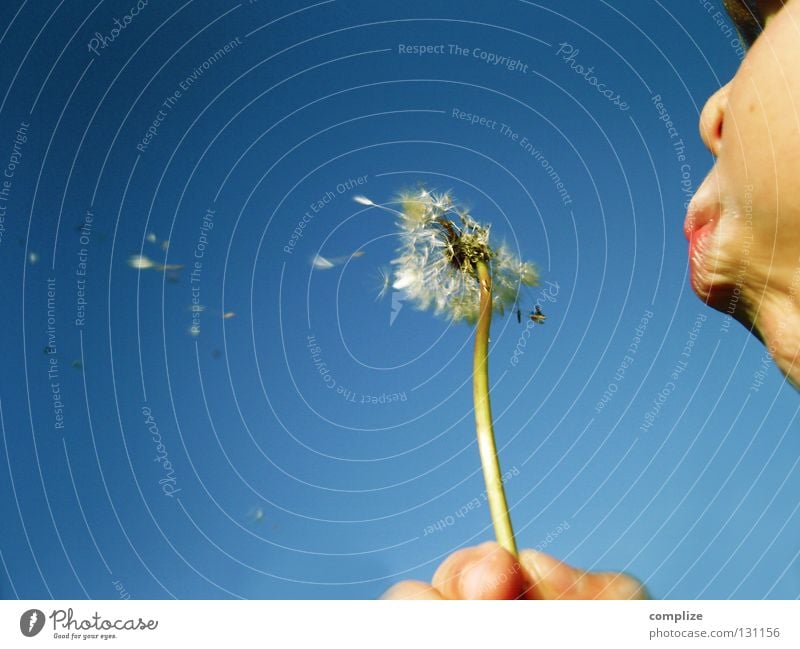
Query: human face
point(743, 224)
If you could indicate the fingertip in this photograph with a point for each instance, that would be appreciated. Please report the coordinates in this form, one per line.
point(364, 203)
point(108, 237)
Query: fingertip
point(553, 579)
point(547, 576)
point(411, 590)
point(483, 572)
point(446, 577)
point(626, 586)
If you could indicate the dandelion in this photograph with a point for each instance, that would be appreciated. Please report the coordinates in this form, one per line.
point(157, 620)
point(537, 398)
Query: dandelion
point(445, 263)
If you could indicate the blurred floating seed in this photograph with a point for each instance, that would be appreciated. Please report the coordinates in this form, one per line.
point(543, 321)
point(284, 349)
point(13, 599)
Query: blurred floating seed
point(320, 263)
point(151, 237)
point(228, 315)
point(163, 267)
point(385, 282)
point(324, 263)
point(141, 262)
point(256, 514)
point(33, 257)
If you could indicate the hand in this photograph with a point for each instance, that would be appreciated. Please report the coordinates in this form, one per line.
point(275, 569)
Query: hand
point(488, 571)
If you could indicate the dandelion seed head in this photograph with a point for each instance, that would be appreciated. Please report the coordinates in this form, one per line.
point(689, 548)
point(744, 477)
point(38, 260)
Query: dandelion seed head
point(440, 247)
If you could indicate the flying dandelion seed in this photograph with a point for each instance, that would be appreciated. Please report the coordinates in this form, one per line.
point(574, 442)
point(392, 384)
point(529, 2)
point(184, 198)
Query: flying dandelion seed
point(321, 263)
point(228, 315)
point(33, 257)
point(141, 262)
point(165, 245)
point(324, 263)
point(151, 237)
point(145, 263)
point(363, 200)
point(256, 514)
point(385, 282)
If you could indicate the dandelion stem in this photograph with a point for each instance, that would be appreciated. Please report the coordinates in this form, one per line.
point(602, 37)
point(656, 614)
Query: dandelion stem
point(483, 416)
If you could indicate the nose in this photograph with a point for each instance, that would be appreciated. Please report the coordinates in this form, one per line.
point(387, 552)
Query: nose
point(712, 117)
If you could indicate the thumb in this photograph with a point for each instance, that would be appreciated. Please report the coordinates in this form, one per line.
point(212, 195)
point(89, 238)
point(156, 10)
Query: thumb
point(549, 578)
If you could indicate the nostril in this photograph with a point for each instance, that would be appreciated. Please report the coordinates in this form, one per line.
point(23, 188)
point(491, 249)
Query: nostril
point(712, 119)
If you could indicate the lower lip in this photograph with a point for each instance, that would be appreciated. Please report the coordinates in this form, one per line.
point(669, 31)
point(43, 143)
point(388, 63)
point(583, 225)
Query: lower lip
point(700, 233)
point(694, 240)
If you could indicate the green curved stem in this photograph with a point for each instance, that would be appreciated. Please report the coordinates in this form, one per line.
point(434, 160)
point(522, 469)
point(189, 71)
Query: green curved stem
point(483, 417)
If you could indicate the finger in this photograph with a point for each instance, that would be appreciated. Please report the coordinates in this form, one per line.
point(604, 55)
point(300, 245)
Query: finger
point(550, 578)
point(486, 571)
point(412, 590)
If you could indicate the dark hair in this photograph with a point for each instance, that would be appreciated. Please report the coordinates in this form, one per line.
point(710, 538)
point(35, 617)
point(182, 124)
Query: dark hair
point(747, 17)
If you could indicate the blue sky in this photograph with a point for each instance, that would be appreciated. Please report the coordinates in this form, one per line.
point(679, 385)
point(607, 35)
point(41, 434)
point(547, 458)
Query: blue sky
point(319, 442)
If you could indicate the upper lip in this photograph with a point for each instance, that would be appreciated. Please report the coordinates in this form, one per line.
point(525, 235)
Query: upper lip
point(703, 209)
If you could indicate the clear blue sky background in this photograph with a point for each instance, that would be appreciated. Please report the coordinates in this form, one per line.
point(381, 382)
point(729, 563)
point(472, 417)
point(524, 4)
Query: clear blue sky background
point(289, 488)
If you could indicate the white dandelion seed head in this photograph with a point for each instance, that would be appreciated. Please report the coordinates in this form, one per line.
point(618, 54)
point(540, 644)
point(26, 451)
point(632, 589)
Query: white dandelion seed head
point(440, 246)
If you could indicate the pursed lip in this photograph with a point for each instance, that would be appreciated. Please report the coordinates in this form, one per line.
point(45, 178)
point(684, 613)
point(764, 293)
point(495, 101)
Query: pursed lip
point(702, 217)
